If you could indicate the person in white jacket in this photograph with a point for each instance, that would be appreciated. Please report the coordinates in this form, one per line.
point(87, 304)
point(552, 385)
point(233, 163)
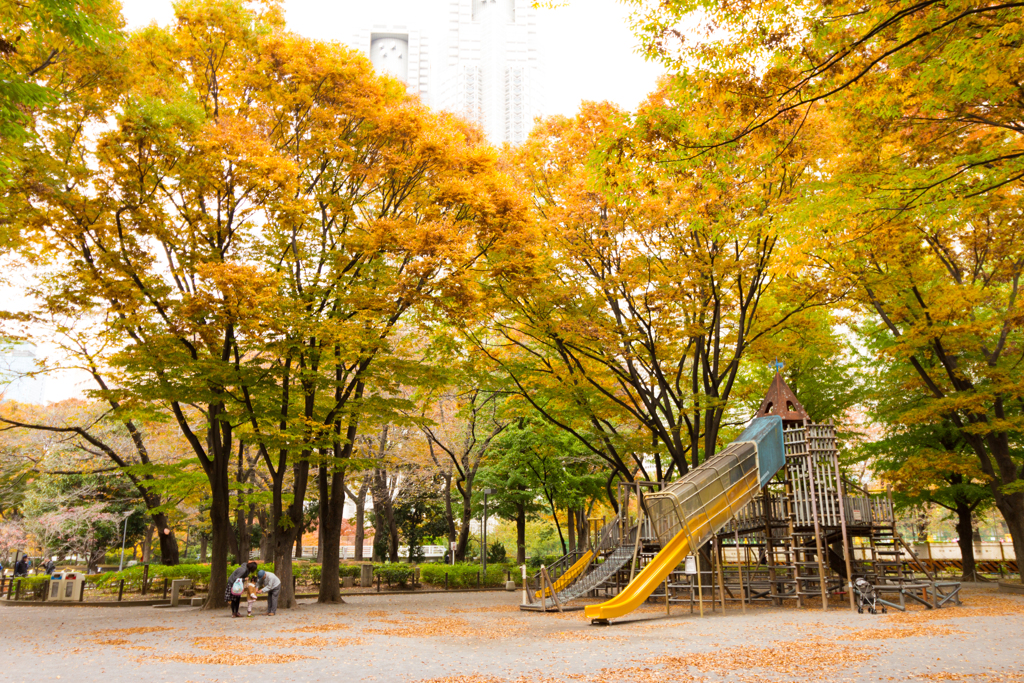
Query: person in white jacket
point(271, 585)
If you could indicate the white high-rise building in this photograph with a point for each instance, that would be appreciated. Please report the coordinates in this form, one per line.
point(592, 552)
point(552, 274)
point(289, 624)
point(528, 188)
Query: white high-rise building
point(487, 66)
point(491, 66)
point(401, 52)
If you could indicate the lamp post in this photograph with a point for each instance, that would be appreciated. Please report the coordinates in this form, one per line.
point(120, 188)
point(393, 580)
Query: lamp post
point(124, 536)
point(483, 550)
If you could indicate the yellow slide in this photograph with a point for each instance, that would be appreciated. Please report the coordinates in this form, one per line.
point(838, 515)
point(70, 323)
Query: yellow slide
point(566, 579)
point(701, 525)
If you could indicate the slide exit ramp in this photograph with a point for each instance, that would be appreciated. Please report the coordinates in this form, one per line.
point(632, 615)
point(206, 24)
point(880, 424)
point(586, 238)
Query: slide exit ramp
point(686, 514)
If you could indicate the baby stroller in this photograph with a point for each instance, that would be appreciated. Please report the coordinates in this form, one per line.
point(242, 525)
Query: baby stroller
point(866, 597)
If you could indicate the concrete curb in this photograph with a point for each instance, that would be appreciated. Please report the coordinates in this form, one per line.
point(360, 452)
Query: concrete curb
point(1007, 587)
point(104, 603)
point(304, 596)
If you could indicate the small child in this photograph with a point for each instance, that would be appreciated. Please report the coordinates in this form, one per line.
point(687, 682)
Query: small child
point(250, 595)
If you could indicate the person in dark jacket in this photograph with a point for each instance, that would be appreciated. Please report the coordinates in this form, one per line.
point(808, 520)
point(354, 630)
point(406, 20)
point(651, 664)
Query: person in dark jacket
point(240, 573)
point(48, 566)
point(21, 569)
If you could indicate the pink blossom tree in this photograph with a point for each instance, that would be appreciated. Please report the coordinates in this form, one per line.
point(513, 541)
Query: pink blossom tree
point(12, 539)
point(85, 531)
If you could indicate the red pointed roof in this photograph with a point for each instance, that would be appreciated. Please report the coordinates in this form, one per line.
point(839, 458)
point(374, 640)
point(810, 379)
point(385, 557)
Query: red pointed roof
point(780, 400)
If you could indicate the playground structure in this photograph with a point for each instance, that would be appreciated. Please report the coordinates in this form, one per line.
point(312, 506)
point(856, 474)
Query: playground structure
point(769, 518)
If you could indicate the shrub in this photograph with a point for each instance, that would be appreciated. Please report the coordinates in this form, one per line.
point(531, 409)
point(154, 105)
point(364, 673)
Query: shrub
point(464, 575)
point(353, 570)
point(394, 573)
point(496, 554)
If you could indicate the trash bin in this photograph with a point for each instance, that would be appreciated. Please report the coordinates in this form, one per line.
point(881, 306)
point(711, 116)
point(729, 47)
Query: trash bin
point(71, 587)
point(55, 588)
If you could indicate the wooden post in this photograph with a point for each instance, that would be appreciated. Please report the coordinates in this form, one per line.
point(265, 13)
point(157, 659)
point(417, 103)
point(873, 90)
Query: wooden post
point(546, 580)
point(17, 591)
point(543, 590)
point(769, 549)
point(446, 580)
point(636, 546)
point(739, 567)
point(846, 538)
point(817, 531)
point(120, 590)
point(145, 577)
point(165, 587)
point(718, 566)
point(668, 607)
point(700, 584)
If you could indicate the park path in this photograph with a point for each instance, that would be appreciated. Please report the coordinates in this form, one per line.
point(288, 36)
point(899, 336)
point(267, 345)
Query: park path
point(484, 638)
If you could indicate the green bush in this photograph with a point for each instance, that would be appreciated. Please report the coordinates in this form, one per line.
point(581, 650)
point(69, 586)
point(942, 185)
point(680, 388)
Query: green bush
point(199, 573)
point(394, 573)
point(32, 587)
point(353, 570)
point(464, 575)
point(496, 554)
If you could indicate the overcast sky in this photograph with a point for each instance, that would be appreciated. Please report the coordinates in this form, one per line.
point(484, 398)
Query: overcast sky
point(587, 51)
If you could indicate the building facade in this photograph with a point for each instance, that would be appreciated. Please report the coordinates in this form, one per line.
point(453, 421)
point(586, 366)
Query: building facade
point(485, 67)
point(400, 52)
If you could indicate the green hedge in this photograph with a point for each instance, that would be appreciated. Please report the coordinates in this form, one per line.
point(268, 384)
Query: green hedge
point(305, 573)
point(394, 573)
point(464, 575)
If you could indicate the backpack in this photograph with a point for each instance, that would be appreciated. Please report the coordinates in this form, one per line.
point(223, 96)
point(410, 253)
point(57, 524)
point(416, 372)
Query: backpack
point(237, 587)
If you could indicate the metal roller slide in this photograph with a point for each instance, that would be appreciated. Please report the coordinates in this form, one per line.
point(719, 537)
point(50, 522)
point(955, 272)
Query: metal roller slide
point(563, 581)
point(686, 514)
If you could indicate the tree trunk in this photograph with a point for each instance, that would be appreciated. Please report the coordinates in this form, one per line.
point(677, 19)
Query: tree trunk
point(298, 541)
point(266, 542)
point(168, 542)
point(242, 532)
point(332, 515)
point(384, 512)
point(233, 541)
point(147, 544)
point(285, 534)
point(360, 537)
point(202, 548)
point(966, 540)
point(570, 524)
point(220, 521)
point(521, 534)
point(1012, 507)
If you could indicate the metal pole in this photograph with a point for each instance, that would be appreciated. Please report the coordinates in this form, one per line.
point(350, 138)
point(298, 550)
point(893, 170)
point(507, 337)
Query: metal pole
point(483, 535)
point(124, 536)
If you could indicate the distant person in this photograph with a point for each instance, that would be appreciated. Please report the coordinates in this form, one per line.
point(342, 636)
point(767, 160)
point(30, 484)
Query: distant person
point(271, 585)
point(21, 568)
point(48, 566)
point(239, 574)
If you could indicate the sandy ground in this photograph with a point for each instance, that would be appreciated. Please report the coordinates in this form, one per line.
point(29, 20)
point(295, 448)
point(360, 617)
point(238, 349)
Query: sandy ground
point(484, 638)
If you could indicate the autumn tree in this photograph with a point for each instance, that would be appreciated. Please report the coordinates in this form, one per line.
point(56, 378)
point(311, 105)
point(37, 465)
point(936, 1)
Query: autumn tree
point(661, 276)
point(147, 454)
point(460, 422)
point(268, 210)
